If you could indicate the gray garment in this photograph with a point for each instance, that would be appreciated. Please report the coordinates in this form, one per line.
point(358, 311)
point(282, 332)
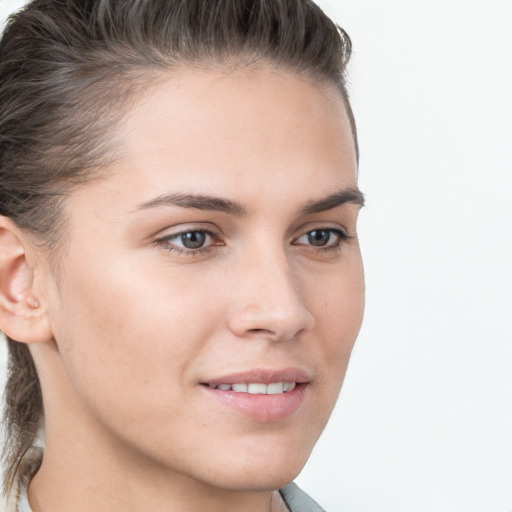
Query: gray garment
point(298, 501)
point(295, 499)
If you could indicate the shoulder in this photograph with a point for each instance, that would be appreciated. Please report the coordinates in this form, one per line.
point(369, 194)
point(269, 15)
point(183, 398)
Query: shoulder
point(15, 502)
point(9, 503)
point(298, 501)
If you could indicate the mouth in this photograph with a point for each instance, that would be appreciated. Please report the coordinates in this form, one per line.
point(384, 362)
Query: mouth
point(261, 395)
point(257, 388)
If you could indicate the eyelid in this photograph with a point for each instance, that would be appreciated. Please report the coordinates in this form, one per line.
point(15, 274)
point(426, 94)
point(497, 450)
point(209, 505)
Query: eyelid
point(185, 227)
point(343, 231)
point(331, 250)
point(166, 237)
point(340, 233)
point(177, 236)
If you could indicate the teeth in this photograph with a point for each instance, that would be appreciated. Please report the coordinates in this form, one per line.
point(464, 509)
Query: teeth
point(275, 388)
point(258, 388)
point(289, 386)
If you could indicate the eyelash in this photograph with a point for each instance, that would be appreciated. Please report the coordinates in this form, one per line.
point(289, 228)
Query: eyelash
point(167, 241)
point(184, 251)
point(340, 237)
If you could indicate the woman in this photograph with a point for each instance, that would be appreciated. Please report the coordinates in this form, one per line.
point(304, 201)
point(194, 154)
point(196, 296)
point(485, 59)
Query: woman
point(181, 281)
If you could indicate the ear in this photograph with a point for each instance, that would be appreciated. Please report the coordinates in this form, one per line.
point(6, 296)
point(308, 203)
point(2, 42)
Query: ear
point(22, 315)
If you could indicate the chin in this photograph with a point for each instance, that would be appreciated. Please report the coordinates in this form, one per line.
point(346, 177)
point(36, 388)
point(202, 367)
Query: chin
point(270, 469)
point(268, 479)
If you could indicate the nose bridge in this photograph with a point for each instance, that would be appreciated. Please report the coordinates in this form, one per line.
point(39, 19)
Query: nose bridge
point(270, 301)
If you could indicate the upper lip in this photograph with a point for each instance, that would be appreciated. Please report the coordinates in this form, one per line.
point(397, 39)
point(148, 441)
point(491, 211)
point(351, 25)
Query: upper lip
point(264, 376)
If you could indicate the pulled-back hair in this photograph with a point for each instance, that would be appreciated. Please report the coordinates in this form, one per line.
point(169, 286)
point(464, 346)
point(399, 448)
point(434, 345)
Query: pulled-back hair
point(67, 69)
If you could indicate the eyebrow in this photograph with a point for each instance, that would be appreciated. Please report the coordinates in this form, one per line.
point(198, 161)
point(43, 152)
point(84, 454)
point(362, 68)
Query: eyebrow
point(348, 195)
point(200, 202)
point(217, 204)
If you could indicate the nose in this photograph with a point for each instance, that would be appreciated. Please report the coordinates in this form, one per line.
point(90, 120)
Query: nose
point(269, 302)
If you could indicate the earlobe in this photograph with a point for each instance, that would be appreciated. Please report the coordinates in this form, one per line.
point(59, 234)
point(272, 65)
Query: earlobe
point(22, 316)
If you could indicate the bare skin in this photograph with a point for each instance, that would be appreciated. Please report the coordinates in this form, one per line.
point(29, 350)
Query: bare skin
point(161, 293)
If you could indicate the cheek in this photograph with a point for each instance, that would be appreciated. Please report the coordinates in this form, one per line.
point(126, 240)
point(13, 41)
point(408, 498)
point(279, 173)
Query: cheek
point(124, 337)
point(125, 322)
point(339, 313)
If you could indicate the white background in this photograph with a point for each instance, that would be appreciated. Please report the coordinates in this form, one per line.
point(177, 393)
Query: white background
point(424, 422)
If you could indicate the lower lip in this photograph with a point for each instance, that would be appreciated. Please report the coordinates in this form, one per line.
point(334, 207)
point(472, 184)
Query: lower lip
point(264, 408)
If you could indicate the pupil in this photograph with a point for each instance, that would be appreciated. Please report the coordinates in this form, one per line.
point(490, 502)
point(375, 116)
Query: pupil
point(319, 237)
point(193, 239)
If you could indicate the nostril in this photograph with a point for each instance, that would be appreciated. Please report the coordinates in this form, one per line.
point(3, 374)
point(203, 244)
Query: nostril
point(278, 321)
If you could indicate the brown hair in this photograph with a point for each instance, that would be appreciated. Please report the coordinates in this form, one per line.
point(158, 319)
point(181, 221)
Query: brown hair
point(66, 66)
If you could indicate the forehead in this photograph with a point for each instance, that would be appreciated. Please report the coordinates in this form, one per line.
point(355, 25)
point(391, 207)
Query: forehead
point(233, 116)
point(237, 134)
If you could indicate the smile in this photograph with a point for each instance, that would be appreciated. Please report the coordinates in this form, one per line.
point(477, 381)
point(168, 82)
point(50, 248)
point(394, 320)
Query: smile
point(257, 388)
point(260, 395)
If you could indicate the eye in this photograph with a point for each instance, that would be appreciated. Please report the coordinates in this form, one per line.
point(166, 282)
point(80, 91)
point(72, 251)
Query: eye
point(322, 238)
point(188, 242)
point(192, 239)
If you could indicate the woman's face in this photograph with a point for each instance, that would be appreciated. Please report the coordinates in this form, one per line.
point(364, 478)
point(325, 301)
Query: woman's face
point(211, 286)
